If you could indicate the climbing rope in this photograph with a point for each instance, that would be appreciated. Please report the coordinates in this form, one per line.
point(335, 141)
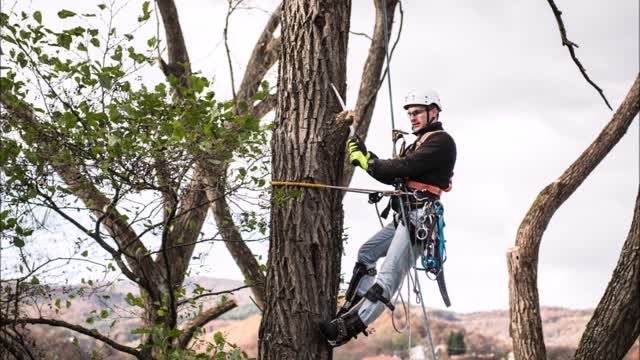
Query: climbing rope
point(386, 52)
point(424, 311)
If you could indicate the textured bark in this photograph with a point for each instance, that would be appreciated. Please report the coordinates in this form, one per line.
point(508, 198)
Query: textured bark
point(233, 240)
point(370, 82)
point(526, 325)
point(616, 321)
point(307, 145)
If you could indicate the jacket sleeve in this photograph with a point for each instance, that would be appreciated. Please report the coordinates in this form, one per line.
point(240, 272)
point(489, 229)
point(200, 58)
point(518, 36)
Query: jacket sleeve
point(435, 152)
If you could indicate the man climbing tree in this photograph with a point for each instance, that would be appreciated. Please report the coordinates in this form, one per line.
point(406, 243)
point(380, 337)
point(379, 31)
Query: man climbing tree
point(425, 168)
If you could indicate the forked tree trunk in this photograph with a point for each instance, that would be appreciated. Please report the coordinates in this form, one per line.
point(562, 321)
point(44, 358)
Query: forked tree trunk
point(307, 145)
point(522, 260)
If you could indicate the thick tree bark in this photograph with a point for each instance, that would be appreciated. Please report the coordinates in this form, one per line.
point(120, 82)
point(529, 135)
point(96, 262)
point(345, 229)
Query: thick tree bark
point(616, 322)
point(522, 260)
point(307, 145)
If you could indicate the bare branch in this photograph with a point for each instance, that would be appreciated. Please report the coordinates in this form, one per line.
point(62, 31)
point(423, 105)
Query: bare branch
point(235, 244)
point(182, 302)
point(522, 259)
point(265, 106)
point(186, 225)
point(570, 45)
point(116, 254)
point(82, 330)
point(225, 33)
point(264, 55)
point(371, 79)
point(361, 34)
point(202, 319)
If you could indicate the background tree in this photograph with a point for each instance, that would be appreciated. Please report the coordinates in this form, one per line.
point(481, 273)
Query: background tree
point(617, 317)
point(455, 343)
point(522, 260)
point(184, 180)
point(128, 165)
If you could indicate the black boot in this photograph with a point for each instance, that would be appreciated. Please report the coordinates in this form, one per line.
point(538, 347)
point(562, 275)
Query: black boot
point(342, 329)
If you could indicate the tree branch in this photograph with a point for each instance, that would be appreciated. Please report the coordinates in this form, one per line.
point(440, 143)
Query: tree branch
point(202, 319)
point(618, 312)
point(187, 225)
point(80, 186)
point(570, 45)
point(234, 242)
point(265, 106)
point(371, 79)
point(522, 260)
point(179, 64)
point(77, 328)
point(265, 53)
point(182, 302)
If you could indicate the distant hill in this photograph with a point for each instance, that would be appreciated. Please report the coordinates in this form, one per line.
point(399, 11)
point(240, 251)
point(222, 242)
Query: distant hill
point(485, 332)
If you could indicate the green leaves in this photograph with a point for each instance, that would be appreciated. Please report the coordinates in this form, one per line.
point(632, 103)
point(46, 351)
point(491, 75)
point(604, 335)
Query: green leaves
point(146, 14)
point(37, 16)
point(104, 314)
point(63, 14)
point(18, 242)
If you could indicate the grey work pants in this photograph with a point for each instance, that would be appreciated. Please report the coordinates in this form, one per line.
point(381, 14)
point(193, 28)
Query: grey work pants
point(394, 243)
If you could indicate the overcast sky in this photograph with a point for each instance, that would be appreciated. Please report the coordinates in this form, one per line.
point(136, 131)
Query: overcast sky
point(520, 112)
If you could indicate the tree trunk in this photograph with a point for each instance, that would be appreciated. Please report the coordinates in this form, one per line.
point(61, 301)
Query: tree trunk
point(618, 314)
point(522, 260)
point(307, 145)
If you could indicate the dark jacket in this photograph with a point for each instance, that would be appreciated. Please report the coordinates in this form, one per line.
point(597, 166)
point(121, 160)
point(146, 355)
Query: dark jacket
point(431, 163)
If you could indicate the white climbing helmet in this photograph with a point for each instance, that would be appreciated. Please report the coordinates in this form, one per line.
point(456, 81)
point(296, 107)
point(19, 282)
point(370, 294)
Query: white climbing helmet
point(422, 97)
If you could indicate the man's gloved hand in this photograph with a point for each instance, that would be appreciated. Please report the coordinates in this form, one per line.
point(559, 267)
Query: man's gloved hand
point(358, 153)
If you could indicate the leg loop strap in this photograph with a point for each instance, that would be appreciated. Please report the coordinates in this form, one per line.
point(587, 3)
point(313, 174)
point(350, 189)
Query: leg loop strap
point(374, 294)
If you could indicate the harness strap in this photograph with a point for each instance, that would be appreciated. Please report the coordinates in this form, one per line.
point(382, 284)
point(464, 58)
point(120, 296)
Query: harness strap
point(374, 294)
point(416, 185)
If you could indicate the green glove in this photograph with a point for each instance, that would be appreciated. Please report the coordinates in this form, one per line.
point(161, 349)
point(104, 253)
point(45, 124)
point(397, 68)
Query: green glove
point(358, 153)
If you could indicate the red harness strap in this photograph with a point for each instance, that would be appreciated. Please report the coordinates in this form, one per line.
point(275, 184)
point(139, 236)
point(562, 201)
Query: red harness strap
point(416, 185)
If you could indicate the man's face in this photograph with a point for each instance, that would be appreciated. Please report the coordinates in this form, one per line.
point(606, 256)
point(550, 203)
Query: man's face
point(418, 115)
